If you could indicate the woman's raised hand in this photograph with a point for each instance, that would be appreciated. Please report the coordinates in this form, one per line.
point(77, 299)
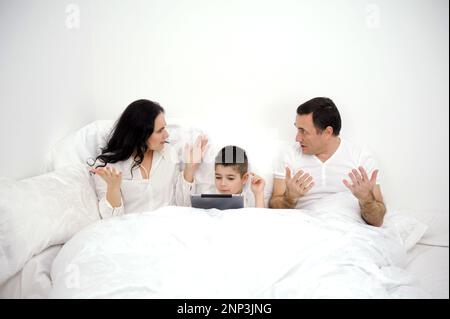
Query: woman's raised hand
point(194, 156)
point(110, 175)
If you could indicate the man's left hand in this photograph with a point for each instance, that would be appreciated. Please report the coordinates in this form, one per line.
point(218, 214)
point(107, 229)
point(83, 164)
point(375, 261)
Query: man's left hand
point(361, 186)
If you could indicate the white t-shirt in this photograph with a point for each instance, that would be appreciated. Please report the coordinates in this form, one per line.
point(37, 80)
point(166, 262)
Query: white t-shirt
point(166, 186)
point(328, 175)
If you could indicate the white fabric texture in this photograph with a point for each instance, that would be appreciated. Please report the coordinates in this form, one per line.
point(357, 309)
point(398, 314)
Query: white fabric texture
point(42, 211)
point(430, 264)
point(180, 252)
point(409, 229)
point(438, 225)
point(33, 281)
point(327, 175)
point(79, 146)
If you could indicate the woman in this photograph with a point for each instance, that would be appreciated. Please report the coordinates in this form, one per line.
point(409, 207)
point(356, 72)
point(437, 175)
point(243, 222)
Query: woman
point(138, 171)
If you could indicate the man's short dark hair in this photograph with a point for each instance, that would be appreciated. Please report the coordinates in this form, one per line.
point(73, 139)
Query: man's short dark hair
point(324, 113)
point(233, 156)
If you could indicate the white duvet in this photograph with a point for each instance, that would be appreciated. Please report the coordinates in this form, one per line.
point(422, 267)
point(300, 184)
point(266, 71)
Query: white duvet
point(179, 252)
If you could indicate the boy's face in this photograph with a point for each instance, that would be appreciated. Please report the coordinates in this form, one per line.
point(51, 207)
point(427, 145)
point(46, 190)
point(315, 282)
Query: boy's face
point(228, 179)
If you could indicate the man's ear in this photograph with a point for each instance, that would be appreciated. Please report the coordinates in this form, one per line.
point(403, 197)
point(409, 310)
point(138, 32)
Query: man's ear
point(329, 131)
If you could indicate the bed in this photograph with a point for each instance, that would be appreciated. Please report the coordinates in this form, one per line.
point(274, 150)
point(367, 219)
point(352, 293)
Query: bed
point(429, 264)
point(122, 266)
point(55, 246)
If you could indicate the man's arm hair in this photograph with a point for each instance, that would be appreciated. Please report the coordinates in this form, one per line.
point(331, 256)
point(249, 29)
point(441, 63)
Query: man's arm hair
point(279, 197)
point(373, 209)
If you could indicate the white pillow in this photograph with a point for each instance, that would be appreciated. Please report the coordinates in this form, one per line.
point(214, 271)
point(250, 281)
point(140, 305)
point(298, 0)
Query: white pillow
point(409, 229)
point(437, 221)
point(79, 146)
point(43, 211)
point(437, 233)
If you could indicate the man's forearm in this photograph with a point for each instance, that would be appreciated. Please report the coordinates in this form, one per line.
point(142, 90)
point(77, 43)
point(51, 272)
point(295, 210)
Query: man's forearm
point(282, 201)
point(373, 211)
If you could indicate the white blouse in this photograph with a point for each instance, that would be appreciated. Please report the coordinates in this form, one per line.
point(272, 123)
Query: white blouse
point(165, 186)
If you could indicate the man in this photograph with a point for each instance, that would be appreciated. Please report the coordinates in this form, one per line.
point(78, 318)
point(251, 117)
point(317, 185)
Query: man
point(322, 162)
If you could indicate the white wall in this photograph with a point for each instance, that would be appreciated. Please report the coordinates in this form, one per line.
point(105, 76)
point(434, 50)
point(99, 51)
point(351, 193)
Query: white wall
point(245, 65)
point(45, 80)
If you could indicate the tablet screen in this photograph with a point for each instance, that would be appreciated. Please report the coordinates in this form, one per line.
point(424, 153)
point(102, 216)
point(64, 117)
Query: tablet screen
point(217, 201)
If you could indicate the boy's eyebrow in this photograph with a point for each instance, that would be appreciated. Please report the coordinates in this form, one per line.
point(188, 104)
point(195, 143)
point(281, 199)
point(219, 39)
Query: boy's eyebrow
point(227, 175)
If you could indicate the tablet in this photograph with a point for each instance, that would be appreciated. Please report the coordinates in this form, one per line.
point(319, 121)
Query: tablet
point(218, 201)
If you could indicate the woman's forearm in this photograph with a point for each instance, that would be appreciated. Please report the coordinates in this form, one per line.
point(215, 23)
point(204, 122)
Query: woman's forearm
point(114, 197)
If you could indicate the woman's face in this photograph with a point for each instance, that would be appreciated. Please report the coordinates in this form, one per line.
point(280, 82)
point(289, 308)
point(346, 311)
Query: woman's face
point(157, 140)
point(228, 180)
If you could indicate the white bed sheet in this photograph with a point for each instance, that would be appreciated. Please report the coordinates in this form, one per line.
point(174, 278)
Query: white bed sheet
point(178, 252)
point(33, 281)
point(429, 259)
point(430, 264)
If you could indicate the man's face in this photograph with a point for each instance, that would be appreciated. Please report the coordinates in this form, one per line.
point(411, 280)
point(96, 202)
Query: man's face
point(311, 141)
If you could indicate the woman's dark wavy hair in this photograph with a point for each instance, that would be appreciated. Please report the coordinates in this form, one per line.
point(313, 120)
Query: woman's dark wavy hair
point(130, 133)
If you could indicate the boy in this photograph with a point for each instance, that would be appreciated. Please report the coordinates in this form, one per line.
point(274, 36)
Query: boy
point(231, 175)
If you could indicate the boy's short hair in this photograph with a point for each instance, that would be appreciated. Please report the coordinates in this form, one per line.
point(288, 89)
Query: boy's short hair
point(235, 156)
